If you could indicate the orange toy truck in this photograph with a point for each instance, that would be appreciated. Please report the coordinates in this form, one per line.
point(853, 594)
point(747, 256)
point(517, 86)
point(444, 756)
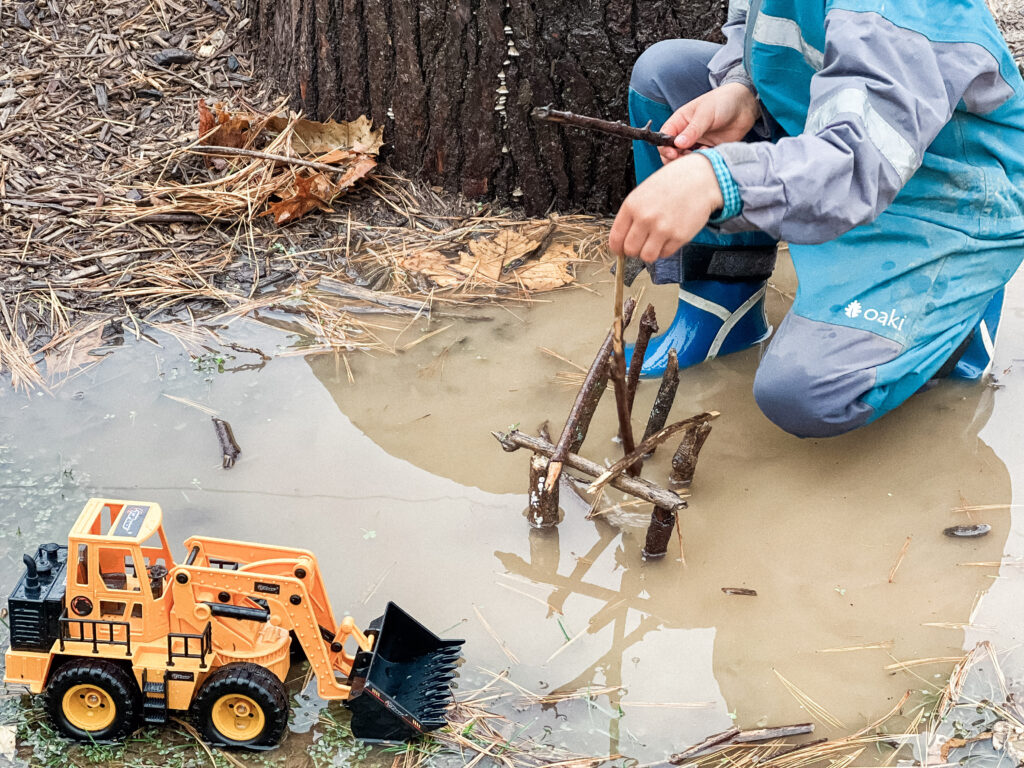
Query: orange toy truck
point(116, 633)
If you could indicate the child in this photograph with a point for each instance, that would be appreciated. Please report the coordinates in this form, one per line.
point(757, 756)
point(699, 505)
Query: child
point(884, 141)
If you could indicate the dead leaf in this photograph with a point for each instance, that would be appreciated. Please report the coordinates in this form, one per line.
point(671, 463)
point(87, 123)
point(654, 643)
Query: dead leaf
point(362, 166)
point(552, 271)
point(317, 190)
point(220, 128)
point(311, 137)
point(311, 192)
point(434, 266)
point(487, 257)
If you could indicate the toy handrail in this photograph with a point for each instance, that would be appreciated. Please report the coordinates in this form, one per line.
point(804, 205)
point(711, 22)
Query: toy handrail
point(205, 646)
point(65, 633)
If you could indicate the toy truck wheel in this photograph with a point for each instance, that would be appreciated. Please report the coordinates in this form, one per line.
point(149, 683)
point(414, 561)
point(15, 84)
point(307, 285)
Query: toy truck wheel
point(93, 700)
point(242, 705)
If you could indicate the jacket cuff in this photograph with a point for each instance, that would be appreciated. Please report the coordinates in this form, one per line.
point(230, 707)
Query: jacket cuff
point(732, 203)
point(761, 193)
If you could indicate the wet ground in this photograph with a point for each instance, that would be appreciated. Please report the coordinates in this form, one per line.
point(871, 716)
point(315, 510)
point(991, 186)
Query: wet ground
point(395, 482)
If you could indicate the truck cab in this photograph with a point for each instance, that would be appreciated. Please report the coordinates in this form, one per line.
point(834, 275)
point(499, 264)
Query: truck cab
point(118, 570)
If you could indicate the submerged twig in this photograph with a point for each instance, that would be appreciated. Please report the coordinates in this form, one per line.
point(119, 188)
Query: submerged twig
point(228, 447)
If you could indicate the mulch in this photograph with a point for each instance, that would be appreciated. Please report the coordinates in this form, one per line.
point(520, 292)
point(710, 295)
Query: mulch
point(98, 104)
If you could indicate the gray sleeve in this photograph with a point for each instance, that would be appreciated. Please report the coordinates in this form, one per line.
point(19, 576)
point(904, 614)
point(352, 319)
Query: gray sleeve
point(727, 65)
point(881, 97)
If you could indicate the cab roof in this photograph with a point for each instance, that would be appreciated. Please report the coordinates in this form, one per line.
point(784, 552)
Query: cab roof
point(128, 522)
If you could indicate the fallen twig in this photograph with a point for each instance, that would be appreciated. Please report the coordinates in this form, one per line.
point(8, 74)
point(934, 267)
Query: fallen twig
point(229, 448)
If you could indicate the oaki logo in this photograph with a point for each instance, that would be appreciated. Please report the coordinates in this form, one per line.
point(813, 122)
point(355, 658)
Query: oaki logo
point(890, 319)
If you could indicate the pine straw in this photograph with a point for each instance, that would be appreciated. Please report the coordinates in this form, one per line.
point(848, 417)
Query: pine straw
point(88, 122)
point(482, 737)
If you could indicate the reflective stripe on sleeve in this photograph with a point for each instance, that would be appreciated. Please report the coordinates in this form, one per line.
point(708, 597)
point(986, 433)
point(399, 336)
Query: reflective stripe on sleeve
point(886, 139)
point(775, 30)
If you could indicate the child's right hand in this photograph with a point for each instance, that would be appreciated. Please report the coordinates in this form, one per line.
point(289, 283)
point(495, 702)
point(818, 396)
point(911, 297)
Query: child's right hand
point(725, 114)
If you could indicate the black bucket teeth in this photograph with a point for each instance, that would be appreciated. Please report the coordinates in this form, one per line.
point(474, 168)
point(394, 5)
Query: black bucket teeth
point(409, 673)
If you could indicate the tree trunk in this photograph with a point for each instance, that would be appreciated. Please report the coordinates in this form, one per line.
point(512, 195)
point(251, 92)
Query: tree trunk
point(435, 72)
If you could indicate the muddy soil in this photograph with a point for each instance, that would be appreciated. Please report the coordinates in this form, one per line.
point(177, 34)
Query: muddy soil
point(395, 482)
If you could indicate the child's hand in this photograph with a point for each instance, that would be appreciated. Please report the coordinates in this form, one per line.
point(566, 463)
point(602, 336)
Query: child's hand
point(667, 210)
point(725, 114)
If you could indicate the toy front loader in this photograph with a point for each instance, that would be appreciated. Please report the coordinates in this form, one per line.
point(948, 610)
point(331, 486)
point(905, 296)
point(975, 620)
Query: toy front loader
point(115, 632)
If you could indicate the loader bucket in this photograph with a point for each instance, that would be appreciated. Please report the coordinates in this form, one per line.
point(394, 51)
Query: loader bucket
point(401, 687)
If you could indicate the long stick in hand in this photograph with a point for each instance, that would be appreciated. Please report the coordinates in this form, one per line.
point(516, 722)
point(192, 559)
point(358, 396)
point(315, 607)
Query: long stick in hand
point(619, 129)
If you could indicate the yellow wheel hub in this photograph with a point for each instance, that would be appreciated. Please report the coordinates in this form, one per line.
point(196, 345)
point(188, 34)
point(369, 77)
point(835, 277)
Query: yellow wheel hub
point(89, 708)
point(237, 717)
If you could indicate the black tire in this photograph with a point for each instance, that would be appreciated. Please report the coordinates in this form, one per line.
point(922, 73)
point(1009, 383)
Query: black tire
point(258, 686)
point(101, 684)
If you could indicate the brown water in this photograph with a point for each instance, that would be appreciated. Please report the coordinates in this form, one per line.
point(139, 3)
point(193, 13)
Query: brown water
point(396, 483)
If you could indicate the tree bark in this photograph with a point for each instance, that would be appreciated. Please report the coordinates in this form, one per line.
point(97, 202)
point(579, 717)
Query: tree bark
point(431, 72)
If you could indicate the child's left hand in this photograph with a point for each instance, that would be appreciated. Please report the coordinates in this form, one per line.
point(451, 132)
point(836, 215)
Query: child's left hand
point(667, 210)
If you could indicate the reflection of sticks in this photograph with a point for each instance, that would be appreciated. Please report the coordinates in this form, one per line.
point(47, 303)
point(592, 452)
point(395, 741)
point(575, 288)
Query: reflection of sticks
point(684, 463)
point(666, 396)
point(575, 430)
point(649, 445)
point(228, 447)
point(619, 129)
point(638, 487)
point(648, 327)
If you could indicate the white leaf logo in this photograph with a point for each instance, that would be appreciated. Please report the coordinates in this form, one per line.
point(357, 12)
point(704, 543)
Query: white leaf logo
point(853, 309)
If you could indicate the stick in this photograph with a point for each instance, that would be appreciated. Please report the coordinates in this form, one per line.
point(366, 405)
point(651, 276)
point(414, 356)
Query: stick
point(618, 371)
point(396, 303)
point(666, 397)
point(899, 560)
point(213, 150)
point(684, 463)
point(543, 512)
point(575, 430)
point(617, 128)
point(718, 742)
point(708, 743)
point(648, 444)
point(228, 447)
point(648, 327)
point(638, 487)
point(659, 533)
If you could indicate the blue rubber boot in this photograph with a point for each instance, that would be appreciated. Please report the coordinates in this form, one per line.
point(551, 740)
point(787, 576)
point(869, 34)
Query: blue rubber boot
point(977, 359)
point(713, 318)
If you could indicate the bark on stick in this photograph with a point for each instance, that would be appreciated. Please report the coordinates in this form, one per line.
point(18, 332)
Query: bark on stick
point(543, 512)
point(575, 430)
point(228, 447)
point(684, 463)
point(666, 397)
point(617, 128)
point(618, 370)
point(648, 327)
point(659, 533)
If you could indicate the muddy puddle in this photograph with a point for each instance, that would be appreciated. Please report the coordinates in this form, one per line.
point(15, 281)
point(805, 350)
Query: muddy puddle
point(393, 479)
